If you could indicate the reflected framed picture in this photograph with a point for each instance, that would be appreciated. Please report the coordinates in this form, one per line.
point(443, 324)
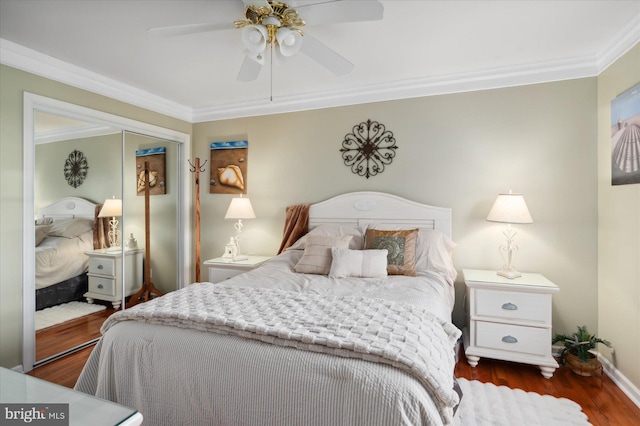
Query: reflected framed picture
point(625, 137)
point(157, 169)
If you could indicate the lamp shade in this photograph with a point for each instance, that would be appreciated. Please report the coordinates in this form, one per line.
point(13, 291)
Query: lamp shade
point(240, 208)
point(289, 41)
point(510, 208)
point(254, 38)
point(112, 207)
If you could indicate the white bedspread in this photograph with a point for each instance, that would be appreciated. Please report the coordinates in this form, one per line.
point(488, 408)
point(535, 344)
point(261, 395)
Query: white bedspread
point(428, 290)
point(186, 376)
point(60, 258)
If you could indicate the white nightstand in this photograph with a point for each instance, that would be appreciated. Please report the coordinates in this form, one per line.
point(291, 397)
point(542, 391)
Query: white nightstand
point(221, 268)
point(105, 274)
point(509, 319)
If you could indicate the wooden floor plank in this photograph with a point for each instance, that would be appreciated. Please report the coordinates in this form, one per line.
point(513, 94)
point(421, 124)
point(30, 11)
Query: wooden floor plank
point(53, 340)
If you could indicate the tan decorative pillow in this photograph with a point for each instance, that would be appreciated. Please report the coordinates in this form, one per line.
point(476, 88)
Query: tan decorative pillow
point(41, 233)
point(70, 228)
point(316, 258)
point(401, 245)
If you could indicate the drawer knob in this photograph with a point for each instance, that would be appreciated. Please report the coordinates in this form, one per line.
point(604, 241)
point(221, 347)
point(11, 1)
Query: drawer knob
point(100, 267)
point(100, 286)
point(509, 339)
point(510, 307)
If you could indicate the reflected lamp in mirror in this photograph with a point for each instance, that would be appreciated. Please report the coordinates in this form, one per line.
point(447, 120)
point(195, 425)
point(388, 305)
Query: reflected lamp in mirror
point(112, 208)
point(509, 208)
point(240, 208)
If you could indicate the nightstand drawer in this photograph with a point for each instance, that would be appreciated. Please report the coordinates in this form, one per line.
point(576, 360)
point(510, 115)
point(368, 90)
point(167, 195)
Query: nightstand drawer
point(102, 285)
point(513, 338)
point(102, 266)
point(513, 305)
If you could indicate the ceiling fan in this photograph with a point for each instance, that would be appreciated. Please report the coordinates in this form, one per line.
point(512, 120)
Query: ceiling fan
point(277, 26)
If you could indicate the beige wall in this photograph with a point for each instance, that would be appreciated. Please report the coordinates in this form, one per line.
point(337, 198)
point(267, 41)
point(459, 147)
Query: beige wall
point(12, 85)
point(457, 151)
point(618, 232)
point(104, 177)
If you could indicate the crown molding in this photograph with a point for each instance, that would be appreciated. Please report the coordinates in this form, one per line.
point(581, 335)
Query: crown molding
point(29, 60)
point(410, 88)
point(26, 59)
point(69, 133)
point(628, 37)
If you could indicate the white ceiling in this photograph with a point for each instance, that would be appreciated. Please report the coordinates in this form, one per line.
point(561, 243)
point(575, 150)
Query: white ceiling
point(420, 48)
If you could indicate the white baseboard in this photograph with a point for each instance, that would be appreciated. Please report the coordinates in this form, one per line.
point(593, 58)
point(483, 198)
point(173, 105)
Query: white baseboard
point(621, 380)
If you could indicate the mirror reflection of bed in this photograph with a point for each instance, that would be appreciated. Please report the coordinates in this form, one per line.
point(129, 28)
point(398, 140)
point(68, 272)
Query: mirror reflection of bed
point(53, 131)
point(63, 319)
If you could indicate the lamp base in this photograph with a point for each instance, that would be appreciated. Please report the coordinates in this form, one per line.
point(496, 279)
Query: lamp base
point(509, 273)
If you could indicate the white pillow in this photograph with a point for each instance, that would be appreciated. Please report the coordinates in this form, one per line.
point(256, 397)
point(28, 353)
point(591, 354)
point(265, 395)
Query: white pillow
point(70, 228)
point(358, 263)
point(356, 232)
point(436, 253)
point(317, 253)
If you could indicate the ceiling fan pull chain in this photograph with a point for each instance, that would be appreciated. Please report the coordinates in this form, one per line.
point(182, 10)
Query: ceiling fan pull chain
point(271, 74)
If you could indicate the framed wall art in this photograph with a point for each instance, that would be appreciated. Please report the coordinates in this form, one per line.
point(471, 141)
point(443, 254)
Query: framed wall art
point(625, 137)
point(228, 167)
point(368, 148)
point(157, 170)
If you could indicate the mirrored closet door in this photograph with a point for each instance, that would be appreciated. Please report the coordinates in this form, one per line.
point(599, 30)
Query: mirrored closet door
point(78, 166)
point(82, 187)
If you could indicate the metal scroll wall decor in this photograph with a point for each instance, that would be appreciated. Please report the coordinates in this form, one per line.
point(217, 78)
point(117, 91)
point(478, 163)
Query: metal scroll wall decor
point(368, 148)
point(76, 168)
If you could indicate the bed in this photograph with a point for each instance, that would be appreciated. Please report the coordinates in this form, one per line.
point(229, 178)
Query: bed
point(64, 231)
point(286, 343)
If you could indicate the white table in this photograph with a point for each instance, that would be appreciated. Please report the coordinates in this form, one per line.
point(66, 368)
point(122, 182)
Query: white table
point(30, 393)
point(509, 319)
point(105, 274)
point(222, 268)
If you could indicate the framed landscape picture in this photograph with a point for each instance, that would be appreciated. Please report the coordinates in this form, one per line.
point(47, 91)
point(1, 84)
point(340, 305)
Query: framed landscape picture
point(625, 137)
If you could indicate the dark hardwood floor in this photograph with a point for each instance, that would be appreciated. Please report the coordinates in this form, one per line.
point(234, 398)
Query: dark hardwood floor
point(53, 340)
point(600, 398)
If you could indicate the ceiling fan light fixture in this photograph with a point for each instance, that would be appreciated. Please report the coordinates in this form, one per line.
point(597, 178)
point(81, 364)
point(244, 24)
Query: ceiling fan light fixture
point(271, 20)
point(289, 41)
point(254, 38)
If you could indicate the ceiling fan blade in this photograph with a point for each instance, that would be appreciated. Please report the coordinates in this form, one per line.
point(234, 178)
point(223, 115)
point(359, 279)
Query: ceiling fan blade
point(341, 11)
point(325, 56)
point(178, 30)
point(251, 66)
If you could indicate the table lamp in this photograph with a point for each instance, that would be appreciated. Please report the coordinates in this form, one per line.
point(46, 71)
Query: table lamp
point(240, 208)
point(112, 208)
point(509, 208)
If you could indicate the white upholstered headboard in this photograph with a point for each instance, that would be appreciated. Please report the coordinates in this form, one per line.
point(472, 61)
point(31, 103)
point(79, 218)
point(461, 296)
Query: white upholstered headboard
point(68, 207)
point(362, 208)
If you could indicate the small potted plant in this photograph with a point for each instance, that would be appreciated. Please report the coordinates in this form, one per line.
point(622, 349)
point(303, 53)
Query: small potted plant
point(577, 351)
